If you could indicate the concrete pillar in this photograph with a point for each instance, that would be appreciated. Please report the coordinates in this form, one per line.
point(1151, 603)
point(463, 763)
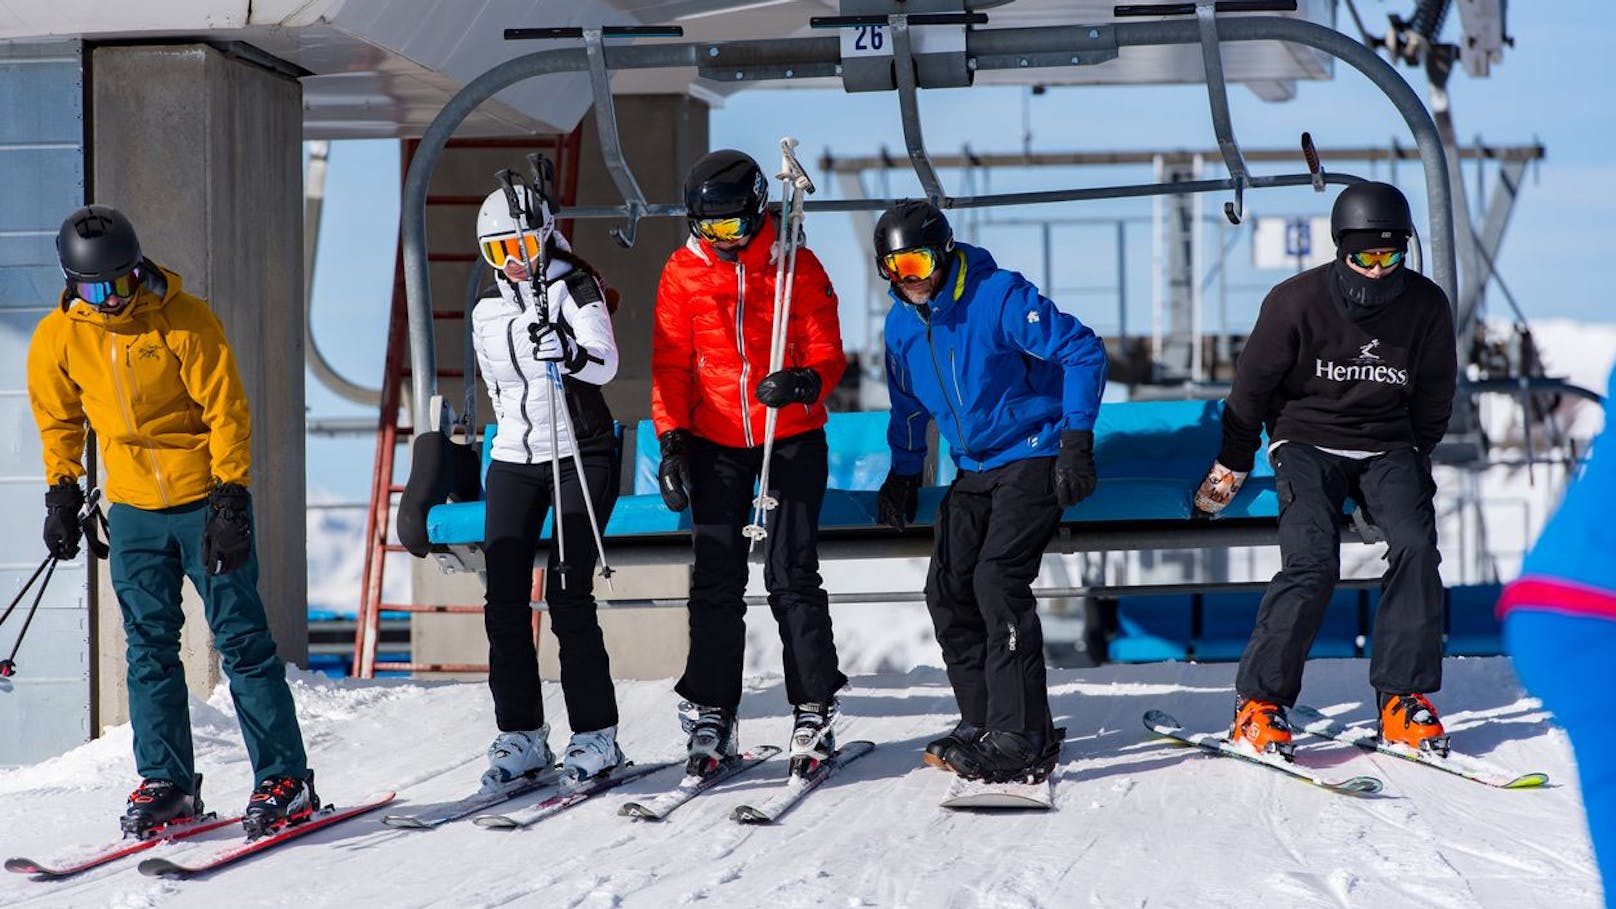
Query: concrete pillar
point(203, 150)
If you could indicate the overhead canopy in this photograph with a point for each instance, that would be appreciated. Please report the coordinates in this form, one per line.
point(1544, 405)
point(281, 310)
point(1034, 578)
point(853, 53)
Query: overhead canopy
point(380, 68)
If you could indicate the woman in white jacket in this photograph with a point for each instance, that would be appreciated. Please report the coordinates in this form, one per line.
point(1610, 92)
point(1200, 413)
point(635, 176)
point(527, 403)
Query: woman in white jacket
point(517, 348)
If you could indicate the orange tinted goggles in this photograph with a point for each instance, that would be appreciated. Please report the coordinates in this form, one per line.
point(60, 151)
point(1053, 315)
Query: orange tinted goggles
point(499, 250)
point(717, 230)
point(909, 264)
point(1371, 259)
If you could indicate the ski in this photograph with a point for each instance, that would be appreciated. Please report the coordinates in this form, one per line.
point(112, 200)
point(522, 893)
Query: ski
point(1163, 724)
point(656, 809)
point(325, 817)
point(798, 786)
point(964, 793)
point(568, 797)
point(1313, 722)
point(113, 851)
point(438, 815)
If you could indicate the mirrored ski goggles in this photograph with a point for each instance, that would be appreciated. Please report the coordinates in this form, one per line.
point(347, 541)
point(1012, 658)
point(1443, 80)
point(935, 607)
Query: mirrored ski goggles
point(717, 230)
point(1371, 259)
point(97, 292)
point(909, 264)
point(499, 250)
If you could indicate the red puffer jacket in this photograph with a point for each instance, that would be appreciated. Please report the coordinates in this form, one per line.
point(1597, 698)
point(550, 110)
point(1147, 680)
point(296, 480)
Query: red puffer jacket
point(711, 344)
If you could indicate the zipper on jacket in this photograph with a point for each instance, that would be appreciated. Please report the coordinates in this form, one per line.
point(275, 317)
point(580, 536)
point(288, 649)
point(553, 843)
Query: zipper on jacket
point(740, 348)
point(965, 447)
point(516, 364)
point(127, 410)
point(953, 367)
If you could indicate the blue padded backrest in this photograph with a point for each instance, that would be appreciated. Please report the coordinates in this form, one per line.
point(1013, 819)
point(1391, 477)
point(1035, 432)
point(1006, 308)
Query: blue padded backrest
point(859, 456)
point(488, 450)
point(647, 454)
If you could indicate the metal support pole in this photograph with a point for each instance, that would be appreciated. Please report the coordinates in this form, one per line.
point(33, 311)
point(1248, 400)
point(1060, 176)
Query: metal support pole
point(903, 64)
point(1217, 94)
point(611, 146)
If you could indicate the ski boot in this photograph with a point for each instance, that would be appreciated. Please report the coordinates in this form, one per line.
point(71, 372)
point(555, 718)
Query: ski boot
point(592, 754)
point(1262, 727)
point(714, 737)
point(1409, 719)
point(963, 733)
point(155, 804)
point(813, 740)
point(279, 802)
point(1007, 757)
point(513, 755)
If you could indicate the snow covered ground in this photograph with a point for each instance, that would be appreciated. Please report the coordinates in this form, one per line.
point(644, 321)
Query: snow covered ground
point(1137, 822)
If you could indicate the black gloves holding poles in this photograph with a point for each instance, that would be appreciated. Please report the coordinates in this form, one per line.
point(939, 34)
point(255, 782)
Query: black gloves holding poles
point(62, 531)
point(227, 537)
point(898, 500)
point(1075, 478)
point(673, 474)
point(795, 385)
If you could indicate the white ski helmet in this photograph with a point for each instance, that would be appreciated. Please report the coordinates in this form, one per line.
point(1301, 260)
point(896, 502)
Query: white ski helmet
point(495, 224)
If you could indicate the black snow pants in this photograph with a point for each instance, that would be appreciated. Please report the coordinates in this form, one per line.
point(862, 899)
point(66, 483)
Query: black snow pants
point(1313, 485)
point(518, 497)
point(722, 480)
point(992, 529)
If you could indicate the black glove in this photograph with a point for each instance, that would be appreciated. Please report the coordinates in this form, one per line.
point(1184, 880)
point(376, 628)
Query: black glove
point(1075, 478)
point(795, 385)
point(62, 530)
point(898, 500)
point(673, 474)
point(227, 536)
point(555, 342)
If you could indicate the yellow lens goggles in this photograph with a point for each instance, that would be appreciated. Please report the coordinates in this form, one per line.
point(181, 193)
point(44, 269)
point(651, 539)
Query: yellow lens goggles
point(909, 264)
point(1371, 259)
point(499, 250)
point(717, 230)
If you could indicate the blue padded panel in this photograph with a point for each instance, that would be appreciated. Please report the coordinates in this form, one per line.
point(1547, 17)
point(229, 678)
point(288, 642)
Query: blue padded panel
point(1473, 628)
point(1152, 628)
point(1227, 620)
point(647, 455)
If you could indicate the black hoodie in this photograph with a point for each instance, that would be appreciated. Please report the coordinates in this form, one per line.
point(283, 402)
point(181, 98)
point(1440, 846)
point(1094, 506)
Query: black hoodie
point(1378, 381)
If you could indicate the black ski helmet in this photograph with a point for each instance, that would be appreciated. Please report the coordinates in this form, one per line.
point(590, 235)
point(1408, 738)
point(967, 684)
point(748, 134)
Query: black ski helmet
point(1371, 206)
point(97, 243)
point(726, 184)
point(912, 224)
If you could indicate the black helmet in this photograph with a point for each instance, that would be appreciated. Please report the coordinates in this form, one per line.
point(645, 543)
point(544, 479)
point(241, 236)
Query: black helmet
point(1378, 207)
point(97, 243)
point(726, 184)
point(912, 224)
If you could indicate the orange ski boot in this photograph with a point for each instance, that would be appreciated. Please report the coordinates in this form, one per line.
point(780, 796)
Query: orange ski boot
point(1262, 726)
point(1409, 719)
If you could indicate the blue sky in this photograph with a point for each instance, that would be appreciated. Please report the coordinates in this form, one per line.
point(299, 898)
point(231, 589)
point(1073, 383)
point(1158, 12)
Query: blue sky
point(1555, 86)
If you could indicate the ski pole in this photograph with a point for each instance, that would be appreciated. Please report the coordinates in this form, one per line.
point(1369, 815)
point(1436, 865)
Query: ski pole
point(8, 666)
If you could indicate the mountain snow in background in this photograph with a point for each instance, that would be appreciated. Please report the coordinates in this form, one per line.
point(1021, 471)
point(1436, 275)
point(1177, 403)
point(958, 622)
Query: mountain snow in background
point(336, 558)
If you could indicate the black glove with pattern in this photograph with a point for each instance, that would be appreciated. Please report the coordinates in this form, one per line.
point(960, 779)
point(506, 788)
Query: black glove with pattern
point(227, 536)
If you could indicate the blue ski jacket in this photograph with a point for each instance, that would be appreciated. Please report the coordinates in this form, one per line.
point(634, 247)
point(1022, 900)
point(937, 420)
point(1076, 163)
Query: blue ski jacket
point(999, 368)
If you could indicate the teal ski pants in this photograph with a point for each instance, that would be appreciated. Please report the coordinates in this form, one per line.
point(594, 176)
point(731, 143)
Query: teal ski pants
point(152, 553)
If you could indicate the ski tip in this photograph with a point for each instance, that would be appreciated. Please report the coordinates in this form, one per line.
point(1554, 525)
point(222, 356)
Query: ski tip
point(495, 822)
point(1528, 781)
point(1161, 721)
point(23, 866)
point(637, 810)
point(1361, 785)
point(405, 822)
point(746, 814)
point(158, 867)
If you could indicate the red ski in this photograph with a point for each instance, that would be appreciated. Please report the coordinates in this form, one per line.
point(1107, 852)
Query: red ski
point(325, 817)
point(114, 851)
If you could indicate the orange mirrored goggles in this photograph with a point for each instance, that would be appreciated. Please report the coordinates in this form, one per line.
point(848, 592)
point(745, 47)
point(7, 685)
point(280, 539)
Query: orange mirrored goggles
point(1371, 259)
point(910, 264)
point(717, 230)
point(499, 250)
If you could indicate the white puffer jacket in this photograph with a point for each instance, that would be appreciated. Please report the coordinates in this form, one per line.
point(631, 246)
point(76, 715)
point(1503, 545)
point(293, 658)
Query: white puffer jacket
point(518, 385)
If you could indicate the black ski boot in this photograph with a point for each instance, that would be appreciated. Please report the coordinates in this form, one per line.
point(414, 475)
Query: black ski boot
point(813, 740)
point(157, 803)
point(279, 802)
point(1008, 757)
point(714, 737)
point(937, 750)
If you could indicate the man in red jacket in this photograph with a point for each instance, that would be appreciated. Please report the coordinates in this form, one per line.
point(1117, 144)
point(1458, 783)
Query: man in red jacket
point(709, 399)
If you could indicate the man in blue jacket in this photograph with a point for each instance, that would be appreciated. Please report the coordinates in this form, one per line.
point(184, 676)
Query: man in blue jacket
point(1014, 385)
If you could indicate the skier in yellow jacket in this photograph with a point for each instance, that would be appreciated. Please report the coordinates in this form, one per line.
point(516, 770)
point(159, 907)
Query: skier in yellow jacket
point(127, 353)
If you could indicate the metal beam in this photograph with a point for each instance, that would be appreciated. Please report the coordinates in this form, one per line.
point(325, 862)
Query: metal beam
point(852, 164)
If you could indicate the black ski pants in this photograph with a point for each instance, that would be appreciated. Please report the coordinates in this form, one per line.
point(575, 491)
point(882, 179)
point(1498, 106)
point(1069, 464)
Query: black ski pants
point(1313, 485)
point(992, 529)
point(722, 480)
point(518, 497)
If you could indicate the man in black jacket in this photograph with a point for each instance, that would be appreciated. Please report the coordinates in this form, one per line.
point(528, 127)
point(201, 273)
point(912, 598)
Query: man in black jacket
point(1351, 368)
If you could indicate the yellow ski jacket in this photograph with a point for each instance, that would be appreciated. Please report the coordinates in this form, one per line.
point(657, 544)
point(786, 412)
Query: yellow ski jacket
point(157, 383)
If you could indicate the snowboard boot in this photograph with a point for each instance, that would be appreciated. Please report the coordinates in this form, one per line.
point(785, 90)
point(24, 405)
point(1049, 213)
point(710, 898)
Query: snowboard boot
point(813, 740)
point(1262, 727)
point(963, 733)
point(1409, 719)
point(279, 802)
point(157, 803)
point(514, 755)
point(714, 737)
point(592, 754)
point(1007, 757)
